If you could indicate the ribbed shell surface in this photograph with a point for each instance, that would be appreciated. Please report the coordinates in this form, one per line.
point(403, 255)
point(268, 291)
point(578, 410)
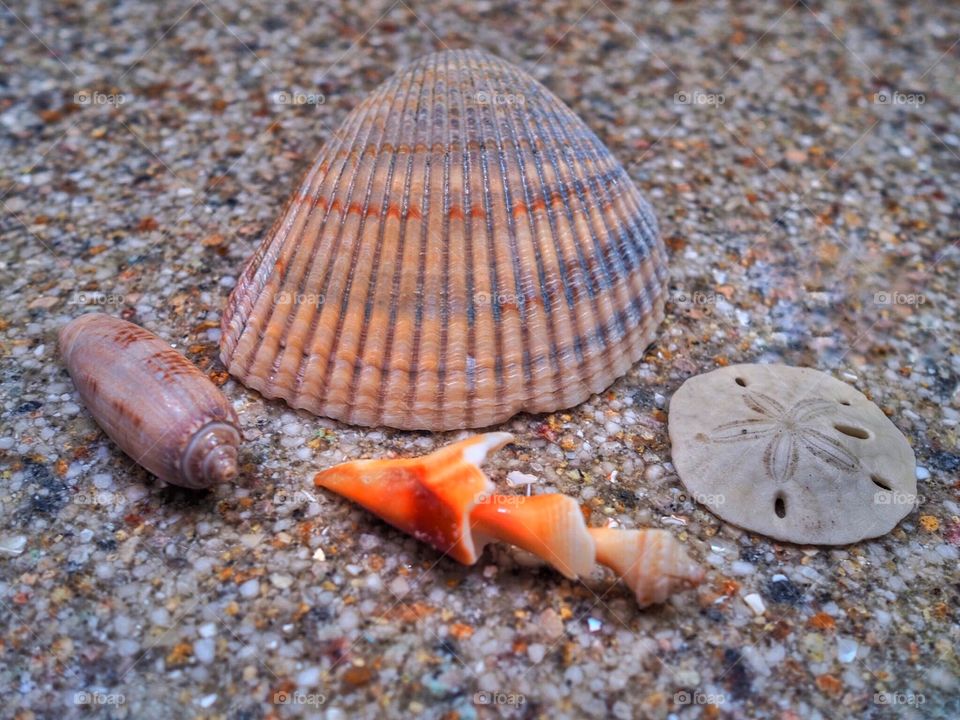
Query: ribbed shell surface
point(463, 248)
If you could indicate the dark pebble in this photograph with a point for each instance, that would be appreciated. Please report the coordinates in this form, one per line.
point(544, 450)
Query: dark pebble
point(784, 591)
point(945, 461)
point(735, 675)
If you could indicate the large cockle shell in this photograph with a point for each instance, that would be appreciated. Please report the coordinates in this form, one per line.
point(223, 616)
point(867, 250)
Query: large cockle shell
point(464, 248)
point(446, 500)
point(791, 453)
point(152, 402)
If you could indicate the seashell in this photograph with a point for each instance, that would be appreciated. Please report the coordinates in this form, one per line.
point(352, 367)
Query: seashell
point(791, 453)
point(463, 248)
point(444, 499)
point(429, 497)
point(549, 526)
point(152, 402)
point(651, 562)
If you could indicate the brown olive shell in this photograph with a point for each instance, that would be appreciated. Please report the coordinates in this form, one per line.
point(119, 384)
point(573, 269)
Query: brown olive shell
point(152, 402)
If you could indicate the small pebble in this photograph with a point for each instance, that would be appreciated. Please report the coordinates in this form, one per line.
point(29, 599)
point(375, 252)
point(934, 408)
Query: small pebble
point(281, 581)
point(308, 678)
point(206, 701)
point(755, 603)
point(536, 652)
point(846, 649)
point(207, 630)
point(205, 650)
point(516, 479)
point(12, 545)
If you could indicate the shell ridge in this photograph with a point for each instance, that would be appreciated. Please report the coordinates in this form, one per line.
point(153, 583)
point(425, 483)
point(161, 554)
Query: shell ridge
point(582, 265)
point(330, 367)
point(494, 274)
point(467, 204)
point(559, 311)
point(326, 247)
point(634, 250)
point(535, 243)
point(300, 280)
point(586, 148)
point(580, 342)
point(449, 86)
point(589, 149)
point(397, 275)
point(397, 136)
point(421, 255)
point(618, 277)
point(284, 240)
point(489, 133)
point(518, 290)
point(650, 252)
point(255, 274)
point(351, 402)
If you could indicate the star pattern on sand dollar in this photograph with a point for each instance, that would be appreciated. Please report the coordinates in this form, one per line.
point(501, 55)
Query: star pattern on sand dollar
point(787, 433)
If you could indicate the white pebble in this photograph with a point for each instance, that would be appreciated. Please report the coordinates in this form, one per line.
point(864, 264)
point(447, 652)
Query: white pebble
point(399, 586)
point(304, 453)
point(349, 620)
point(103, 481)
point(515, 479)
point(123, 625)
point(922, 473)
point(846, 649)
point(309, 678)
point(13, 545)
point(205, 650)
point(755, 603)
point(280, 581)
point(250, 589)
point(207, 630)
point(127, 648)
point(206, 701)
point(536, 652)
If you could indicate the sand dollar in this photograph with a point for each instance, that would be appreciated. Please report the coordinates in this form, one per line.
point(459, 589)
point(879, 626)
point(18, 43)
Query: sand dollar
point(791, 453)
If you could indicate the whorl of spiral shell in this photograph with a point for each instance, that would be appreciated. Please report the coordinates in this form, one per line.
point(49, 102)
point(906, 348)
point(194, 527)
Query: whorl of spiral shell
point(444, 499)
point(463, 248)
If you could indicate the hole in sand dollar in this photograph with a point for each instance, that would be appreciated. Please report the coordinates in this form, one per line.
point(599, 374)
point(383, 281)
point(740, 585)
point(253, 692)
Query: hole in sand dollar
point(844, 402)
point(780, 506)
point(741, 382)
point(881, 483)
point(852, 431)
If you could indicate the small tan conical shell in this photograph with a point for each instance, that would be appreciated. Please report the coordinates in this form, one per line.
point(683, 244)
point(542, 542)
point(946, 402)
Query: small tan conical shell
point(464, 248)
